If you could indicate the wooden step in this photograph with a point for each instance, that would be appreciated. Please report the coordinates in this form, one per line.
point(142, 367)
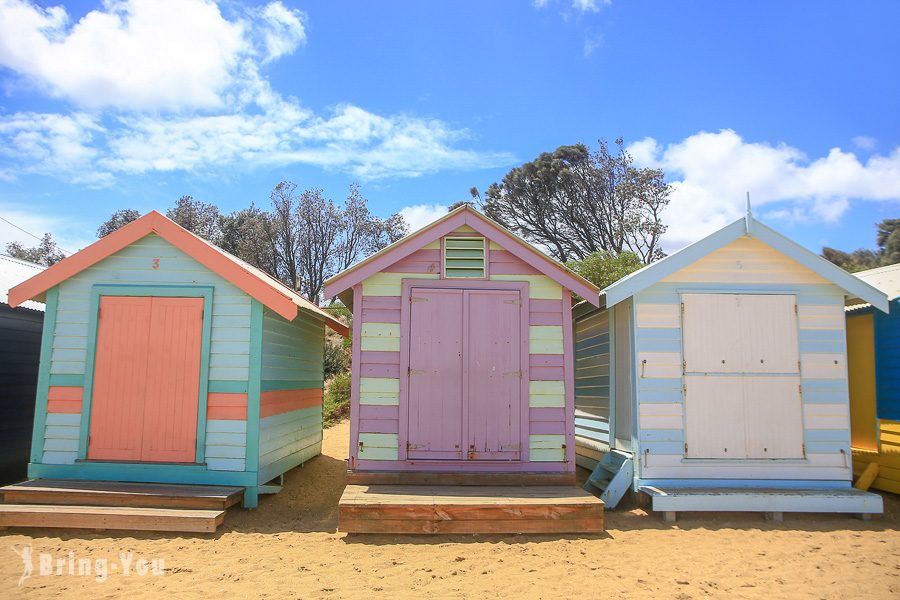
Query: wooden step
point(457, 478)
point(121, 494)
point(468, 509)
point(110, 517)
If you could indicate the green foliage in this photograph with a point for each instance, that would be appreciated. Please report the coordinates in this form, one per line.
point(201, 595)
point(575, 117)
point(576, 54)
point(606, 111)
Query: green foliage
point(336, 405)
point(200, 218)
point(337, 358)
point(118, 219)
point(574, 201)
point(887, 238)
point(604, 267)
point(46, 253)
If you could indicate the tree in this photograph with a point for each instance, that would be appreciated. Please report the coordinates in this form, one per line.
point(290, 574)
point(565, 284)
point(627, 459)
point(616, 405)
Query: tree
point(319, 222)
point(575, 202)
point(248, 234)
point(887, 252)
point(197, 217)
point(603, 268)
point(118, 219)
point(887, 237)
point(285, 234)
point(46, 253)
point(314, 238)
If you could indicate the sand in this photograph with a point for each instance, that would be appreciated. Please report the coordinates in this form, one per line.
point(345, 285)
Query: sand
point(288, 548)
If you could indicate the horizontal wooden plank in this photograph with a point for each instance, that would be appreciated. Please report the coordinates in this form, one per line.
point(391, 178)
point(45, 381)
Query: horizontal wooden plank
point(121, 494)
point(107, 517)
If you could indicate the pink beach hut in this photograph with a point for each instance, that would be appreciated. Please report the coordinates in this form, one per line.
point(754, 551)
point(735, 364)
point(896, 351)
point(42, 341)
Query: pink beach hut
point(463, 363)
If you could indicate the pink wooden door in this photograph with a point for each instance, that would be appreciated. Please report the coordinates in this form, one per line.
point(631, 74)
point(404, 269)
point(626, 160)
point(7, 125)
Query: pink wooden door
point(120, 375)
point(146, 379)
point(173, 380)
point(493, 374)
point(435, 374)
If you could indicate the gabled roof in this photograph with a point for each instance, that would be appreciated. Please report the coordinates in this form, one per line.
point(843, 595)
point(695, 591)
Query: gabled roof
point(254, 282)
point(463, 215)
point(886, 279)
point(14, 271)
point(750, 227)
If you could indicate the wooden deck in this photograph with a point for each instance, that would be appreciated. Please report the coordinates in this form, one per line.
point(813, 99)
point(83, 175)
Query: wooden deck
point(772, 501)
point(457, 478)
point(421, 509)
point(110, 517)
point(119, 493)
point(116, 505)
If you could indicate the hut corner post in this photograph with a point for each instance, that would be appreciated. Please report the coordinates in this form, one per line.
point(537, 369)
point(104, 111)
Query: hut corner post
point(254, 396)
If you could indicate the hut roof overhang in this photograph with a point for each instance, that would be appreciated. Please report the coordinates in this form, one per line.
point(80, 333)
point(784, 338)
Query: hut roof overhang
point(254, 282)
point(744, 227)
point(463, 215)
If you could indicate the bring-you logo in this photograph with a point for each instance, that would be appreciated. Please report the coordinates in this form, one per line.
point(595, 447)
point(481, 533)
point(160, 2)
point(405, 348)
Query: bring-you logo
point(45, 564)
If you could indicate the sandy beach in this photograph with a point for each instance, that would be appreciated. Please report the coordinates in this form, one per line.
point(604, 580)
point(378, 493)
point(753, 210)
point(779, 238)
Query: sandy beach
point(288, 548)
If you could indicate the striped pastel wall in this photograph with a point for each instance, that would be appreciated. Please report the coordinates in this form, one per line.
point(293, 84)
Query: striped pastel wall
point(148, 261)
point(290, 426)
point(379, 352)
point(745, 265)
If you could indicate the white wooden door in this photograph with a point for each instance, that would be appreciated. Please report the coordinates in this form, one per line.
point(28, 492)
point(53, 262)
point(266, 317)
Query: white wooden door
point(773, 417)
point(712, 339)
point(742, 376)
point(768, 325)
point(714, 417)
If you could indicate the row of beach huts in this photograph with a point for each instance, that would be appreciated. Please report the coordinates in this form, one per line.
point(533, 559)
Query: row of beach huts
point(742, 373)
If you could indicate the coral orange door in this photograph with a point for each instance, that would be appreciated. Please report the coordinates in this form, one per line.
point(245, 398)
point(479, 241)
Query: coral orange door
point(146, 379)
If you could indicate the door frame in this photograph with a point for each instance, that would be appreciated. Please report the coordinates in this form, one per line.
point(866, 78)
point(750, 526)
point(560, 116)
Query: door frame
point(462, 284)
point(141, 290)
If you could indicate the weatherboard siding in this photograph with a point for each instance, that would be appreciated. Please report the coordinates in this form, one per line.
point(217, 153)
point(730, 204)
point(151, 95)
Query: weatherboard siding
point(744, 266)
point(379, 365)
point(592, 385)
point(153, 261)
point(148, 261)
point(290, 426)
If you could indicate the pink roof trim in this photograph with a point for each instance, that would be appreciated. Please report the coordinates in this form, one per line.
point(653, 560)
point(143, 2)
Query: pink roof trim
point(249, 279)
point(464, 215)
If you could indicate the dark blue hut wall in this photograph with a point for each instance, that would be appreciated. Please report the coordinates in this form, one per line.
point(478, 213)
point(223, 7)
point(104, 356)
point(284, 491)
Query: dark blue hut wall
point(20, 350)
point(887, 367)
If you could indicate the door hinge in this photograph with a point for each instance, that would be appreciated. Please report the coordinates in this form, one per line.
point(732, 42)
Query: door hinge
point(682, 308)
point(417, 299)
point(803, 449)
point(684, 366)
point(517, 302)
point(685, 448)
point(796, 310)
point(514, 374)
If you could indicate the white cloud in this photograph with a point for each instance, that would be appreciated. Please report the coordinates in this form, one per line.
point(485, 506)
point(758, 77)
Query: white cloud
point(145, 54)
point(865, 142)
point(282, 30)
point(166, 85)
point(420, 215)
point(712, 172)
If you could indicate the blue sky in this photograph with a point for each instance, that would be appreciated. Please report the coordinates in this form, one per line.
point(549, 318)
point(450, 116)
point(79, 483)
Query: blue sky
point(135, 103)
